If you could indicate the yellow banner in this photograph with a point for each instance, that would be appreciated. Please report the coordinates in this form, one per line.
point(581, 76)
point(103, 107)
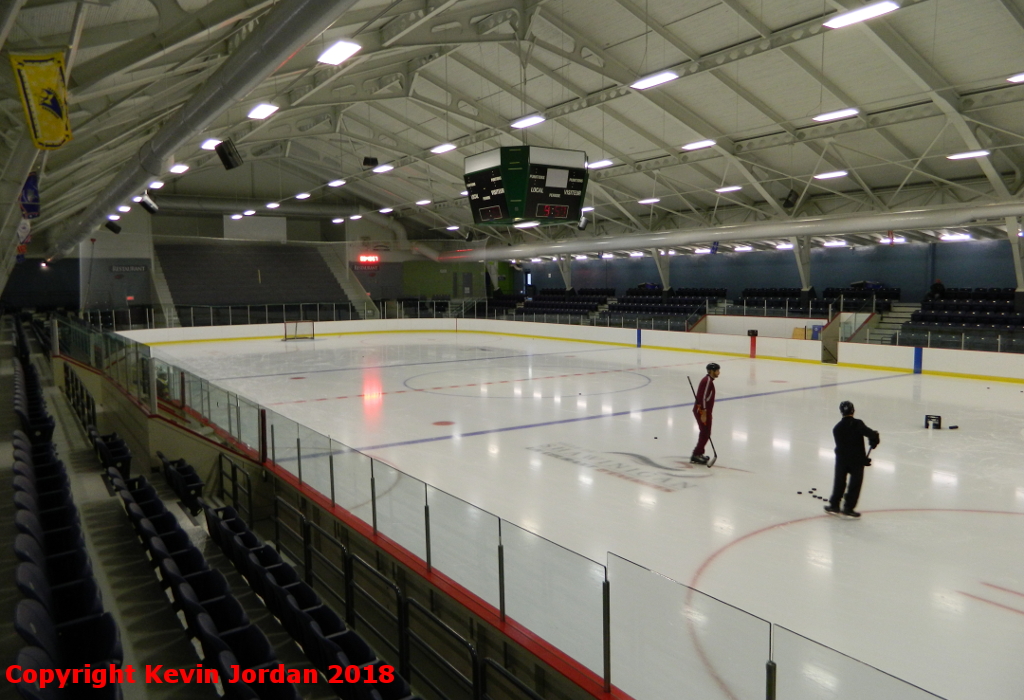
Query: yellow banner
point(44, 95)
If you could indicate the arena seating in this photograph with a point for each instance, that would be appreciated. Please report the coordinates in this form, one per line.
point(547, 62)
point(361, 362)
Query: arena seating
point(318, 629)
point(61, 616)
point(981, 309)
point(184, 481)
point(254, 273)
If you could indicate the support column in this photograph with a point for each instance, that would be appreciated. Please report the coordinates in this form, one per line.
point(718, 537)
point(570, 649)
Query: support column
point(802, 252)
point(661, 261)
point(565, 267)
point(492, 273)
point(1013, 229)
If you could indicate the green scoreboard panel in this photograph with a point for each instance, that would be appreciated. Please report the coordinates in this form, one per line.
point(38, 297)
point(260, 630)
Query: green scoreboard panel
point(526, 183)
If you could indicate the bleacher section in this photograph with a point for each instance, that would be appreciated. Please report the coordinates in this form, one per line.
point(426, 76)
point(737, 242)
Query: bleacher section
point(61, 617)
point(239, 274)
point(684, 302)
point(968, 309)
point(834, 298)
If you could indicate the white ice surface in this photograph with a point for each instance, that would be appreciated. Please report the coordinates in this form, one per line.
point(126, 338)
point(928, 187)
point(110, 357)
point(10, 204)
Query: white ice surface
point(587, 446)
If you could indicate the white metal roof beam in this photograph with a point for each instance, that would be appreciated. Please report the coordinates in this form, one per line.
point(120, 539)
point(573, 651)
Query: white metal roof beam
point(140, 51)
point(931, 81)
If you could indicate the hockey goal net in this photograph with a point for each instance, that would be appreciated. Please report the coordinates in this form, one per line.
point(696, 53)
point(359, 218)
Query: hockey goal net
point(298, 330)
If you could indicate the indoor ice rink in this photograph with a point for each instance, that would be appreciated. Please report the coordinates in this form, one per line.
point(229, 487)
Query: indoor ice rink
point(588, 446)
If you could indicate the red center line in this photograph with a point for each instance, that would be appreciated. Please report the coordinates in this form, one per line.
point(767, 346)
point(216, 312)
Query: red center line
point(992, 602)
point(1000, 588)
point(503, 381)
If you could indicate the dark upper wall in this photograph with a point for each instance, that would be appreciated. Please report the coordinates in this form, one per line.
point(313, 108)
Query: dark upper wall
point(31, 286)
point(910, 266)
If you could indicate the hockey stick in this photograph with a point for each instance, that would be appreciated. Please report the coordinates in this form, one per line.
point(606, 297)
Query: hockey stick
point(714, 459)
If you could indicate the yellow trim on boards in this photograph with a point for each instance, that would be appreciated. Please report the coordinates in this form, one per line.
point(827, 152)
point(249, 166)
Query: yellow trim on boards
point(985, 377)
point(878, 367)
point(548, 337)
point(277, 337)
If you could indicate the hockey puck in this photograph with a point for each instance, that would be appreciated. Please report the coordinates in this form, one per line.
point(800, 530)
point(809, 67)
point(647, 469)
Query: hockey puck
point(953, 427)
point(799, 493)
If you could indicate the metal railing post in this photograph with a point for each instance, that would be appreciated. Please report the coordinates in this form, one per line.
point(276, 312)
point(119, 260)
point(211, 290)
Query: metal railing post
point(770, 676)
point(307, 550)
point(373, 497)
point(298, 457)
point(273, 450)
point(330, 467)
point(607, 632)
point(929, 338)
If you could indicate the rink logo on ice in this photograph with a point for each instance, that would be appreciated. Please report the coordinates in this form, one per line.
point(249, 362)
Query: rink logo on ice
point(666, 473)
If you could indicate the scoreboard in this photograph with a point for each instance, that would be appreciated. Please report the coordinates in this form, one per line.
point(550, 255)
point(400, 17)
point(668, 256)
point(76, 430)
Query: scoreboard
point(526, 183)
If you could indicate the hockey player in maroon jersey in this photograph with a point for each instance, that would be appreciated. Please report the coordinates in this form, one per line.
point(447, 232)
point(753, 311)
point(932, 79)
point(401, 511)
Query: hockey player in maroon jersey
point(703, 405)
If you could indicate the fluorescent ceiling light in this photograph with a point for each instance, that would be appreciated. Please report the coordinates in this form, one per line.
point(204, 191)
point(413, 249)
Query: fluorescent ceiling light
point(702, 251)
point(599, 164)
point(743, 248)
point(236, 216)
point(840, 114)
point(784, 246)
point(464, 193)
point(1019, 78)
point(114, 217)
point(834, 244)
point(338, 52)
point(335, 183)
point(671, 252)
point(124, 208)
point(697, 145)
point(422, 202)
point(249, 212)
point(536, 260)
point(386, 210)
point(896, 239)
point(956, 236)
point(443, 148)
point(527, 224)
point(355, 217)
point(730, 188)
point(832, 175)
point(386, 167)
point(968, 154)
point(453, 228)
point(303, 195)
point(580, 257)
point(606, 256)
point(861, 14)
point(527, 121)
point(273, 205)
point(209, 144)
point(137, 198)
point(649, 200)
point(586, 209)
point(156, 184)
point(636, 254)
point(339, 220)
point(652, 80)
point(179, 168)
point(262, 110)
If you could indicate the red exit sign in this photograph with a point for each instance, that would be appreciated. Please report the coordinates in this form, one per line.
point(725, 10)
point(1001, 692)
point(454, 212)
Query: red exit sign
point(369, 258)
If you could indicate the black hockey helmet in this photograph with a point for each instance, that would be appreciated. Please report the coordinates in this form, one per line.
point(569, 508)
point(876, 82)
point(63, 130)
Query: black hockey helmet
point(846, 408)
point(712, 366)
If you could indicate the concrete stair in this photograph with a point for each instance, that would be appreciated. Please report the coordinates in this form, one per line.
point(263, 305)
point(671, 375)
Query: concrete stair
point(165, 312)
point(363, 306)
point(891, 322)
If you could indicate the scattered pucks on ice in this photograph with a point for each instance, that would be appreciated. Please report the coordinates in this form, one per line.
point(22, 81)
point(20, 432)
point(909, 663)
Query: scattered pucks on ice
point(799, 493)
point(953, 427)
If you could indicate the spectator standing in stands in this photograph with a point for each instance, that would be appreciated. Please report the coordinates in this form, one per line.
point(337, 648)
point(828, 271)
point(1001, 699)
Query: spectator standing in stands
point(703, 405)
point(937, 292)
point(849, 434)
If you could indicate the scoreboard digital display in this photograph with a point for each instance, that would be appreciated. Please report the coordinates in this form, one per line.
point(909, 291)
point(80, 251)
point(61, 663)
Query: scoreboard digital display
point(552, 211)
point(526, 183)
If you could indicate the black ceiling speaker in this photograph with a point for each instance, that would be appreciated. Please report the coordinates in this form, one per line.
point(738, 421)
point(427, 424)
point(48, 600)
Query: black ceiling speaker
point(228, 154)
point(148, 204)
point(112, 227)
point(791, 199)
point(370, 162)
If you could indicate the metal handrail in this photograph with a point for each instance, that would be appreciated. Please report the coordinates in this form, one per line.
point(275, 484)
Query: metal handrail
point(504, 673)
point(245, 489)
